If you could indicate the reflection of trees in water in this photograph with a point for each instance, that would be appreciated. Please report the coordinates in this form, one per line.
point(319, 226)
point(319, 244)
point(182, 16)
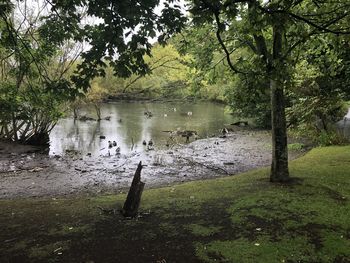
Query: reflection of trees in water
point(81, 135)
point(130, 126)
point(94, 134)
point(206, 119)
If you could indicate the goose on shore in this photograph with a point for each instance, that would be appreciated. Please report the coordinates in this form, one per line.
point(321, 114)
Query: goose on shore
point(117, 151)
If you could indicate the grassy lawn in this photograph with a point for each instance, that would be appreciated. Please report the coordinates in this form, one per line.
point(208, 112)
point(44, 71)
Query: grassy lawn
point(242, 218)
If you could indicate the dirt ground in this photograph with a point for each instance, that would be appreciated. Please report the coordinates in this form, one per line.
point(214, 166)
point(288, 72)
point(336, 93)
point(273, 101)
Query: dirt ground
point(26, 171)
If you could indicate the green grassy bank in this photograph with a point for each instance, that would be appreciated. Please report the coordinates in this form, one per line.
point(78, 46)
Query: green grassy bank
point(242, 218)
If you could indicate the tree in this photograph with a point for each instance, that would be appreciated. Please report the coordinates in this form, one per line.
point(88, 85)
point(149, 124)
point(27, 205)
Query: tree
point(32, 80)
point(273, 32)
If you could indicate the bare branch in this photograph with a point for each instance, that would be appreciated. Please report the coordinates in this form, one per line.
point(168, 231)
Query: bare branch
point(218, 36)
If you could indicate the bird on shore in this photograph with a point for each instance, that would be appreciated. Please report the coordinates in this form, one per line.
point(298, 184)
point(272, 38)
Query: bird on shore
point(114, 143)
point(110, 144)
point(117, 151)
point(150, 142)
point(144, 142)
point(148, 114)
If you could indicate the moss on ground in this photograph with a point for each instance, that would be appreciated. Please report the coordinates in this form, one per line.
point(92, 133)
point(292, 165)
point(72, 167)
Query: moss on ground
point(243, 218)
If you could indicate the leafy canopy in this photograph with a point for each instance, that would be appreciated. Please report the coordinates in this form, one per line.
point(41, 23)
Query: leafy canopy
point(118, 32)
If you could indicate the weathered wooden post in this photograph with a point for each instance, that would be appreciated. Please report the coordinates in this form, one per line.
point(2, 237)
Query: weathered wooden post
point(133, 199)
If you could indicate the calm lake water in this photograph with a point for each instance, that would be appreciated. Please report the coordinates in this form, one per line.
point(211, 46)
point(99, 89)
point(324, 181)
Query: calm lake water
point(128, 125)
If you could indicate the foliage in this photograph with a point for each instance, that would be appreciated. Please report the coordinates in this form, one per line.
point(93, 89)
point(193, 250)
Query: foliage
point(296, 146)
point(168, 77)
point(209, 77)
point(120, 41)
point(32, 83)
point(316, 99)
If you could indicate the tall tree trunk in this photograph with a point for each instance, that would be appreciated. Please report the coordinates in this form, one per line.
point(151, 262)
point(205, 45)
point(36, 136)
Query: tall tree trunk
point(279, 166)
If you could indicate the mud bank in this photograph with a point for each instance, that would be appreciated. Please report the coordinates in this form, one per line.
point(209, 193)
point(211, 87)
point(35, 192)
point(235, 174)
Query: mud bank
point(27, 172)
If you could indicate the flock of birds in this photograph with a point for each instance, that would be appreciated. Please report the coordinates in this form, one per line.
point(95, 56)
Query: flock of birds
point(112, 144)
point(149, 114)
point(149, 144)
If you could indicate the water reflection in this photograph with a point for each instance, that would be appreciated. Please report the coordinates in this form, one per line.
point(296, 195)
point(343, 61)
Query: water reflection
point(129, 126)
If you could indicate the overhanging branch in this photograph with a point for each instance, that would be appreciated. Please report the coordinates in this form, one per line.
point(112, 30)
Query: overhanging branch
point(323, 28)
point(222, 44)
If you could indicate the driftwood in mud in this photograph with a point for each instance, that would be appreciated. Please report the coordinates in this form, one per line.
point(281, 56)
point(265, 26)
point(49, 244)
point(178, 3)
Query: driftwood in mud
point(133, 199)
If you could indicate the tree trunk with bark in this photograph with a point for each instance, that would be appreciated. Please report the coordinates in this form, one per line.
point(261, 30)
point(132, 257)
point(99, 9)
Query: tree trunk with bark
point(279, 166)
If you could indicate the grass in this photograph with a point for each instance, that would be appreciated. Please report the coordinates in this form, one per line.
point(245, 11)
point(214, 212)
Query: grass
point(242, 218)
point(296, 146)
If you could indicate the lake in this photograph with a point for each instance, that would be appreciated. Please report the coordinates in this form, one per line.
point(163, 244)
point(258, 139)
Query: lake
point(129, 126)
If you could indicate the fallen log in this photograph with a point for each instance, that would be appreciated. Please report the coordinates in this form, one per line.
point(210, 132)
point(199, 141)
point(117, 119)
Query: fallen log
point(133, 199)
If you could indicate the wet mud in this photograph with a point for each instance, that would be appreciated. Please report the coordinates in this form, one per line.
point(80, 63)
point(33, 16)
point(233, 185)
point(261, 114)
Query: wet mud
point(27, 172)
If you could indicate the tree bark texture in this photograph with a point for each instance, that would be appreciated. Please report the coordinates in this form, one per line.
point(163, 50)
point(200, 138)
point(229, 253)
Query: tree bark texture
point(279, 166)
point(133, 199)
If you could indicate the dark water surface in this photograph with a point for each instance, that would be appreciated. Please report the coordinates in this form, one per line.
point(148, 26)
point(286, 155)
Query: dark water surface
point(128, 125)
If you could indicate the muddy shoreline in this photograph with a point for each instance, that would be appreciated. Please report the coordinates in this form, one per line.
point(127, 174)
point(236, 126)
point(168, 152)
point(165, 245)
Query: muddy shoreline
point(27, 172)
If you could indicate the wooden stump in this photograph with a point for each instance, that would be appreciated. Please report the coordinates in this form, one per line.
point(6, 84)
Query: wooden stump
point(133, 199)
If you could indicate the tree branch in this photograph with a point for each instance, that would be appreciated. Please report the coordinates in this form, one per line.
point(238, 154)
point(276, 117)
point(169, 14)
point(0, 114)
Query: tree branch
point(309, 22)
point(151, 69)
point(218, 36)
